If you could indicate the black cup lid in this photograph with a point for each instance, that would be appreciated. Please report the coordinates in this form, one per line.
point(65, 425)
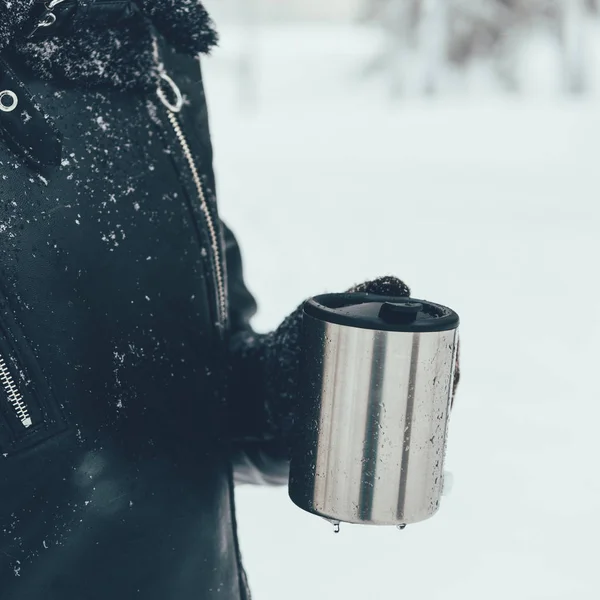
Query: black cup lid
point(381, 313)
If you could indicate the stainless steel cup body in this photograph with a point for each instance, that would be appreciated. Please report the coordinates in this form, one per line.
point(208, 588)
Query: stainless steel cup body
point(371, 443)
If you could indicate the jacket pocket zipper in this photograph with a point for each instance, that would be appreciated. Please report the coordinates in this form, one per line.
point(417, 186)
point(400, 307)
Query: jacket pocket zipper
point(173, 108)
point(15, 399)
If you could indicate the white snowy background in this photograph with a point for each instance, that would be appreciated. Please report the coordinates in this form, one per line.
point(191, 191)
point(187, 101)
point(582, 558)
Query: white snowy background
point(485, 202)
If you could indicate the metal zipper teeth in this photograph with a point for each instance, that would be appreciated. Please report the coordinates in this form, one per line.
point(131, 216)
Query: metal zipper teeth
point(214, 240)
point(15, 399)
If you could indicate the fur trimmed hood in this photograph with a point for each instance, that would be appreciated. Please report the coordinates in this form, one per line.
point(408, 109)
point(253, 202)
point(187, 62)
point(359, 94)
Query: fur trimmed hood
point(105, 42)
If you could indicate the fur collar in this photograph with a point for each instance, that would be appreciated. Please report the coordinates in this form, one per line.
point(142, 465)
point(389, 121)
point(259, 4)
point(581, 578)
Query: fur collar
point(96, 54)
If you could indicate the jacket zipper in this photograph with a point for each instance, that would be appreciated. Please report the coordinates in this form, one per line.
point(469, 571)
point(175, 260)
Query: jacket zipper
point(15, 399)
point(173, 108)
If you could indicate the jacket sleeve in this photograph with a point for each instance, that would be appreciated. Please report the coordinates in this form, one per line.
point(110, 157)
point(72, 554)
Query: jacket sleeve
point(259, 452)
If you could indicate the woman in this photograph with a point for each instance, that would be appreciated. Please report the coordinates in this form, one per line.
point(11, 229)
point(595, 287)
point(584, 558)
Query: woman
point(131, 384)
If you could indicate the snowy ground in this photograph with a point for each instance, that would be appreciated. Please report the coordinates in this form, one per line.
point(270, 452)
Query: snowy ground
point(487, 204)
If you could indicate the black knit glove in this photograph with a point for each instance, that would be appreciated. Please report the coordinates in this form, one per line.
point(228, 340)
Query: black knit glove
point(266, 369)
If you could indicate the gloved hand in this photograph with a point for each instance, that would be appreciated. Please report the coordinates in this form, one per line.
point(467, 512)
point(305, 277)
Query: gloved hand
point(283, 353)
point(267, 367)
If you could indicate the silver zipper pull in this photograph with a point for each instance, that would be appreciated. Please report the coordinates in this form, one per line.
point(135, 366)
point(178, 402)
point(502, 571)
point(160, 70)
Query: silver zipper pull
point(174, 107)
point(49, 18)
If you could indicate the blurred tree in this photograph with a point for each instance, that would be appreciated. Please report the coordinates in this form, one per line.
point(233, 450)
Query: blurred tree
point(573, 39)
point(248, 64)
point(455, 32)
point(399, 21)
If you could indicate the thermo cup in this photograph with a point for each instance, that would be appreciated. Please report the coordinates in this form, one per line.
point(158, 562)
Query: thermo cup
point(376, 386)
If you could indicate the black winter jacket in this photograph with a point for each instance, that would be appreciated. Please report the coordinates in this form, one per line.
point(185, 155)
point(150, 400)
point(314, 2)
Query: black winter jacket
point(122, 412)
